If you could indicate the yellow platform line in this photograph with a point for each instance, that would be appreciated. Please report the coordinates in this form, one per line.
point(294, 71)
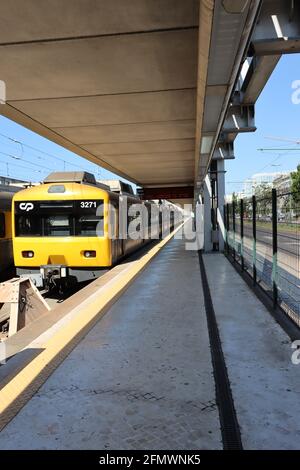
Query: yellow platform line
point(18, 391)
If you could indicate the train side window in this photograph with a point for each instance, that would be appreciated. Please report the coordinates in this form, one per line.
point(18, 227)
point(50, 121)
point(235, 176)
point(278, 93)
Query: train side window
point(134, 215)
point(113, 229)
point(2, 225)
point(130, 218)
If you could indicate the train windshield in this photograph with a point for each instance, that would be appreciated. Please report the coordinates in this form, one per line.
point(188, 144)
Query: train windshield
point(59, 218)
point(57, 225)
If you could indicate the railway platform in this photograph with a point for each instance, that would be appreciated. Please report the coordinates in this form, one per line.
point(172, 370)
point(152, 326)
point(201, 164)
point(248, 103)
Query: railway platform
point(145, 374)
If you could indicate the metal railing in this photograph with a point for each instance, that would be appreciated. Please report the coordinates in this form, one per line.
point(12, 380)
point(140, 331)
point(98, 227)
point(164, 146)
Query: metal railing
point(262, 235)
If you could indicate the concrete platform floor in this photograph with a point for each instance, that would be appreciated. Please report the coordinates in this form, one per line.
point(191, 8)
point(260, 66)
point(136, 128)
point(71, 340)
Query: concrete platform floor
point(142, 377)
point(264, 381)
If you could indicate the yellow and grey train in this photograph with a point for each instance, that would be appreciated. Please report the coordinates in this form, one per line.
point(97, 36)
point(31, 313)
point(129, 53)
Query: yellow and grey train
point(68, 229)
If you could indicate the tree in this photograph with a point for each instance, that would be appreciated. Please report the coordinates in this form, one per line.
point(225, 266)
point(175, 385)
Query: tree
point(263, 193)
point(295, 175)
point(234, 197)
point(236, 203)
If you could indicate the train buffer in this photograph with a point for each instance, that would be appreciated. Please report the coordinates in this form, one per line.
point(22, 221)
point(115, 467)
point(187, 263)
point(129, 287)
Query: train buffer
point(20, 304)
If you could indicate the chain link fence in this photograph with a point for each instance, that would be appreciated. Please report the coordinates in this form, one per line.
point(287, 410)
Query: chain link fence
point(263, 237)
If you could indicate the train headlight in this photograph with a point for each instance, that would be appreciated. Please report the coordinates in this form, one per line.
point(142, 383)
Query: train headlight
point(90, 254)
point(27, 254)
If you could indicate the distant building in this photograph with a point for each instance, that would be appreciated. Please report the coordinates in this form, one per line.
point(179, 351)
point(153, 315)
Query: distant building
point(11, 184)
point(283, 183)
point(229, 197)
point(6, 180)
point(259, 179)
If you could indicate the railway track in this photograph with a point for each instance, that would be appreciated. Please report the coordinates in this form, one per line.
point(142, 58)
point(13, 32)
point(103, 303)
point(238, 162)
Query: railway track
point(55, 297)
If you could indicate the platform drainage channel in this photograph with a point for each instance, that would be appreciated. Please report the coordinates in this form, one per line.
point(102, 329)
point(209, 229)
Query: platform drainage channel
point(230, 429)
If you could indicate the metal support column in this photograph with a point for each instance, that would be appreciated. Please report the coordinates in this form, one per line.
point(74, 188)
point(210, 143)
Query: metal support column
point(208, 246)
point(242, 233)
point(228, 228)
point(275, 243)
point(254, 238)
point(226, 231)
point(233, 229)
point(221, 200)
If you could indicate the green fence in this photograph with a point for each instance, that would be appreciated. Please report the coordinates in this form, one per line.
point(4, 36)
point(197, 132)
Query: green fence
point(263, 237)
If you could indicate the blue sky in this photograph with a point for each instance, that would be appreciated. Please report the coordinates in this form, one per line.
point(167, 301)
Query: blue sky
point(276, 116)
point(19, 161)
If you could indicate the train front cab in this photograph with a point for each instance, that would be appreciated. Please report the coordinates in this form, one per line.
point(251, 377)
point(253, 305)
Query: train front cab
point(58, 235)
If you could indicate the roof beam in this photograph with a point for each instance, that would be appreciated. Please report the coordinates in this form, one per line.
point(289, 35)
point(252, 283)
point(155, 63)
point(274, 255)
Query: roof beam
point(239, 119)
point(233, 23)
point(258, 74)
point(224, 151)
point(278, 29)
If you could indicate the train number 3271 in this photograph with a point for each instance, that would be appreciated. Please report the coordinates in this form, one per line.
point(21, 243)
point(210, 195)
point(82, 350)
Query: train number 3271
point(88, 204)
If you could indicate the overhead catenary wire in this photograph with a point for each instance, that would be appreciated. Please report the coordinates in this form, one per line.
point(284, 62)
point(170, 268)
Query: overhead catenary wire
point(23, 145)
point(279, 151)
point(35, 149)
point(271, 163)
point(19, 166)
point(26, 161)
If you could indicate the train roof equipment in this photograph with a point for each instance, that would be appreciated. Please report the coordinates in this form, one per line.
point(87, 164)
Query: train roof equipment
point(119, 187)
point(81, 177)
